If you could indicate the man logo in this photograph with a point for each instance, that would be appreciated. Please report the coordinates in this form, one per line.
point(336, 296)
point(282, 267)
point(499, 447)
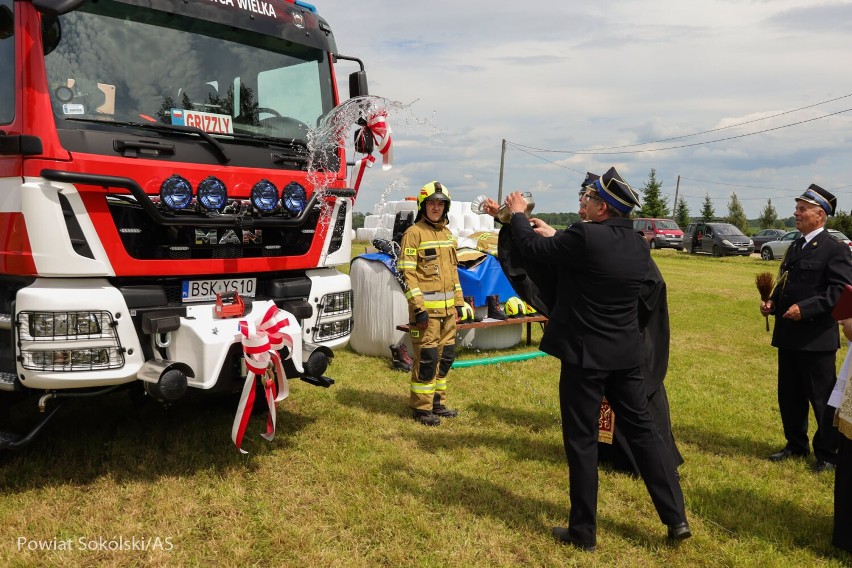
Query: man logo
point(228, 237)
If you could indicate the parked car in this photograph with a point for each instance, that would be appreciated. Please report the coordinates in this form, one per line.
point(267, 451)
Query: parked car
point(776, 249)
point(718, 239)
point(659, 233)
point(766, 235)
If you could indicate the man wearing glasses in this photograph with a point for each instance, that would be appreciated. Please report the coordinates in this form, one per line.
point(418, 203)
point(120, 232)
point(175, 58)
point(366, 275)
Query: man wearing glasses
point(594, 330)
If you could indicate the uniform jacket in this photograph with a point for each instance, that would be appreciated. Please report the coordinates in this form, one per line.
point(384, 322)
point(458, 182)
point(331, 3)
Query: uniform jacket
point(813, 278)
point(600, 271)
point(430, 268)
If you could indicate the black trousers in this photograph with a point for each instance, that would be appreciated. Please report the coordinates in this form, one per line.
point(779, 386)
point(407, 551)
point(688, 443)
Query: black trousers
point(807, 377)
point(580, 394)
point(842, 537)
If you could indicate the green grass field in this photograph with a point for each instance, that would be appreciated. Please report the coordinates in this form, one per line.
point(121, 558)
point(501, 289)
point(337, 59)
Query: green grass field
point(351, 480)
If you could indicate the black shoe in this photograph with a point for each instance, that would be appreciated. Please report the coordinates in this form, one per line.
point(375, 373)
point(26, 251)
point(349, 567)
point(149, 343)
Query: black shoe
point(495, 310)
point(786, 453)
point(400, 358)
point(444, 412)
point(564, 536)
point(822, 465)
point(679, 531)
point(426, 417)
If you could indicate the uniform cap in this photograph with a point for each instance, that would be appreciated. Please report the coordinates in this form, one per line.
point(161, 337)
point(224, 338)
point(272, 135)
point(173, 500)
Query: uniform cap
point(821, 197)
point(615, 191)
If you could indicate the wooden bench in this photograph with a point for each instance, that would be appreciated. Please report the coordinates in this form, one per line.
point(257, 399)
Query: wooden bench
point(529, 320)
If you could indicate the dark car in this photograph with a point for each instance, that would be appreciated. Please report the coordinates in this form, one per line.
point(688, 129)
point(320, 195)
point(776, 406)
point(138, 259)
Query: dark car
point(718, 239)
point(766, 235)
point(659, 233)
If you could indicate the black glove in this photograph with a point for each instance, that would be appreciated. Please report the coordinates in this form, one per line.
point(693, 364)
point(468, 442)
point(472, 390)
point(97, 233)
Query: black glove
point(459, 312)
point(421, 320)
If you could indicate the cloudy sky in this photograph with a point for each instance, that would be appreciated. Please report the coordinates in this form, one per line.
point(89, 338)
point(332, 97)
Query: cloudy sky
point(750, 97)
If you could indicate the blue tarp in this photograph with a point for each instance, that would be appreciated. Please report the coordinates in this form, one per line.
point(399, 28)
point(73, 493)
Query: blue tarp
point(484, 279)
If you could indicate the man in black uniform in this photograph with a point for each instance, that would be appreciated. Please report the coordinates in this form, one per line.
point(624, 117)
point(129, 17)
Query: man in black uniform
point(812, 275)
point(594, 330)
point(534, 283)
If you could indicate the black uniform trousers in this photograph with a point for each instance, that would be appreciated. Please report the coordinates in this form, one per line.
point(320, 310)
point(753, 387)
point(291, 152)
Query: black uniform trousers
point(803, 377)
point(580, 394)
point(842, 537)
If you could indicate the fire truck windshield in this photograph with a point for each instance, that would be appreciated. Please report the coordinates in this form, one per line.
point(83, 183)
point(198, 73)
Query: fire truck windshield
point(131, 64)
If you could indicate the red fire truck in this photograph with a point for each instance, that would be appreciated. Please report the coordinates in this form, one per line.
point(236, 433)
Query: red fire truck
point(155, 155)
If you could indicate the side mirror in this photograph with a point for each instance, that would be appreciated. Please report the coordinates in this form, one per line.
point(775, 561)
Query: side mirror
point(7, 22)
point(358, 84)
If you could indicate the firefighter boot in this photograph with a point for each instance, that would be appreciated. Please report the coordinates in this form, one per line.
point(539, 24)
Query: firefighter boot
point(427, 418)
point(469, 301)
point(439, 409)
point(400, 358)
point(495, 310)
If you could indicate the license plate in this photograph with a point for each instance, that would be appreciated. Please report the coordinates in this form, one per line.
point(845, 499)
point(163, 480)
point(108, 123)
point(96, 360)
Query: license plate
point(204, 290)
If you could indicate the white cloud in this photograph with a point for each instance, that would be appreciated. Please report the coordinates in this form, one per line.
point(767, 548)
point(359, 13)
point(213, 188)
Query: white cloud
point(572, 77)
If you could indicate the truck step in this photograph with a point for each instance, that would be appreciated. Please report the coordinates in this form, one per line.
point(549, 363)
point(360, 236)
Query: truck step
point(14, 441)
point(9, 440)
point(7, 381)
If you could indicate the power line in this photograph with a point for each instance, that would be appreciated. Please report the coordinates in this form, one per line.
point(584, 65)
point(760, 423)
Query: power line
point(699, 133)
point(594, 153)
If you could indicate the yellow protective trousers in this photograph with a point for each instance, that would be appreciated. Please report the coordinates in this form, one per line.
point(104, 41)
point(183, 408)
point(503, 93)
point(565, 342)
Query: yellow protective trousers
point(434, 353)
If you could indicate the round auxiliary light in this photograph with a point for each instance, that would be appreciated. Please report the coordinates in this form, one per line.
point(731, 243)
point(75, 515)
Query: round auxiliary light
point(212, 194)
point(176, 193)
point(294, 198)
point(264, 196)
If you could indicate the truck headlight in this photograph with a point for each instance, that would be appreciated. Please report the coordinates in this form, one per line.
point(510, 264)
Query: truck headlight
point(68, 341)
point(53, 324)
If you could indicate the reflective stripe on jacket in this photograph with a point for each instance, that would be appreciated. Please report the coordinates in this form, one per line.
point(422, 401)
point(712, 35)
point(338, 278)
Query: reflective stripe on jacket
point(430, 268)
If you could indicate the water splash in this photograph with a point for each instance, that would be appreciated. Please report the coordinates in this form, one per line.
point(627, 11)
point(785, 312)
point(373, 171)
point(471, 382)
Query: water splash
point(336, 128)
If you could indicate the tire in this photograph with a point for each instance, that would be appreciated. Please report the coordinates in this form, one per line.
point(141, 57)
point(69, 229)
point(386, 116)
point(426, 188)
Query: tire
point(717, 251)
point(766, 253)
point(654, 243)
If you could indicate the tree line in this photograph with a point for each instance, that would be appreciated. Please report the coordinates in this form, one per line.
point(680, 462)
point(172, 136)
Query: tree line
point(656, 206)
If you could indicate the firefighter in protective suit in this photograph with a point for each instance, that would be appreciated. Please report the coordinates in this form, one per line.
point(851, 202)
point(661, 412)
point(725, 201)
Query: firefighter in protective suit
point(430, 268)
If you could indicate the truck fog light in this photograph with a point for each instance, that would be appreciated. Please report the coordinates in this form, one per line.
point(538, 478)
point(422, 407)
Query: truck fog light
point(212, 194)
point(294, 198)
point(264, 196)
point(176, 193)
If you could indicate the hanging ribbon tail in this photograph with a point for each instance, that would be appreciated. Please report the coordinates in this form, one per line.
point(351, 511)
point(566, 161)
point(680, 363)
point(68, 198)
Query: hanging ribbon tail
point(243, 416)
point(767, 322)
point(358, 171)
point(269, 390)
point(261, 342)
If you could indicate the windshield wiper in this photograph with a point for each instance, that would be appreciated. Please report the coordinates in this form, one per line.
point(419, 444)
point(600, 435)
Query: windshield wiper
point(218, 149)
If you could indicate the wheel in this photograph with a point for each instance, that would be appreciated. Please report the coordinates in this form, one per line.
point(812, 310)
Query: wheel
point(766, 253)
point(653, 243)
point(717, 251)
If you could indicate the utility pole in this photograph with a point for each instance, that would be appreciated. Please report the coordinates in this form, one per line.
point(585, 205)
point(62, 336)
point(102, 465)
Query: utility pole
point(502, 161)
point(674, 206)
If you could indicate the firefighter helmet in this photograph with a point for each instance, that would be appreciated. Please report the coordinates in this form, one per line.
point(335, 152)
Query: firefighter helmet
point(433, 190)
point(514, 307)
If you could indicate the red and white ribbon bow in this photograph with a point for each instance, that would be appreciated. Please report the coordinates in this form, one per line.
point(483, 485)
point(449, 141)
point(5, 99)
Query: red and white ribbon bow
point(377, 127)
point(261, 342)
